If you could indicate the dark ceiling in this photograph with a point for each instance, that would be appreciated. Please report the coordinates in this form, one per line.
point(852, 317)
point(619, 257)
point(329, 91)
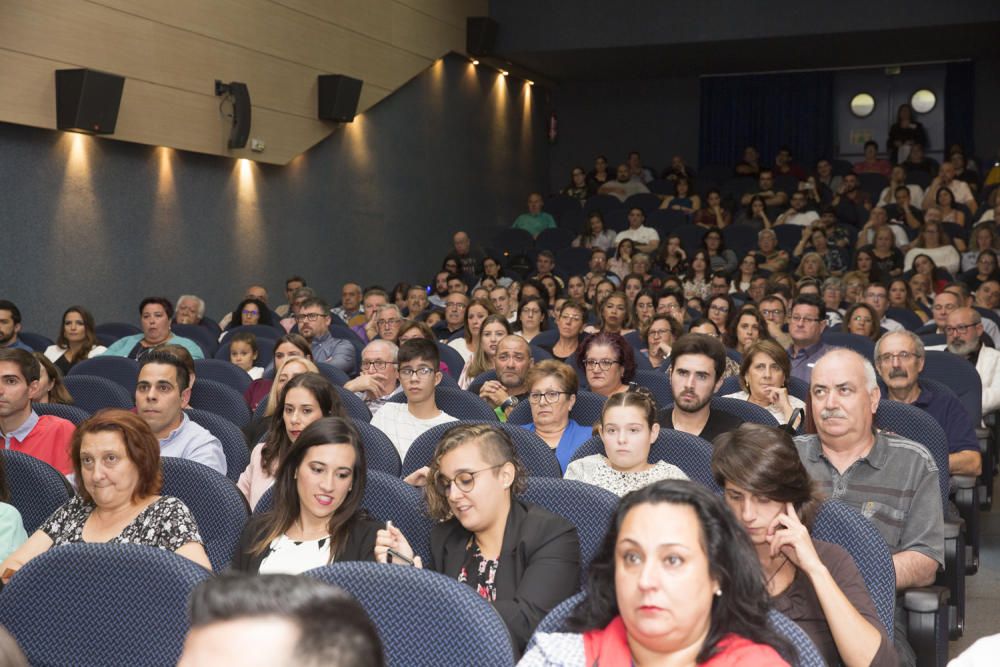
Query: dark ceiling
point(849, 50)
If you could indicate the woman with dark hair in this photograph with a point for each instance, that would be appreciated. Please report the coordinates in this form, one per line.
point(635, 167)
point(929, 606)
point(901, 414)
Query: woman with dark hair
point(814, 583)
point(285, 347)
point(924, 265)
point(316, 516)
point(905, 131)
point(251, 311)
point(861, 320)
point(579, 187)
point(865, 262)
point(721, 259)
point(570, 320)
point(675, 582)
point(532, 317)
point(900, 296)
point(720, 308)
point(475, 313)
point(50, 385)
point(155, 313)
point(77, 340)
point(764, 374)
point(632, 285)
point(945, 200)
point(755, 214)
point(659, 335)
point(644, 307)
point(304, 399)
point(491, 267)
point(672, 258)
point(614, 314)
point(934, 242)
point(594, 234)
point(698, 276)
point(621, 263)
point(521, 558)
point(608, 361)
point(685, 200)
point(116, 463)
point(745, 328)
point(713, 214)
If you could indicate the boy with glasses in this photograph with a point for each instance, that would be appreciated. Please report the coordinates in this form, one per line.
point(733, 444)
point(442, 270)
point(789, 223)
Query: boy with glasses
point(419, 375)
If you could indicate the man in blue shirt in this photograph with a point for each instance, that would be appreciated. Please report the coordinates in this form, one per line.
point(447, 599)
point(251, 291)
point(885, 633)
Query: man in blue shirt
point(314, 319)
point(805, 326)
point(10, 326)
point(899, 357)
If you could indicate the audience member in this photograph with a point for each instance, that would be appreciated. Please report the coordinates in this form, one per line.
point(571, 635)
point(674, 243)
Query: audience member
point(764, 374)
point(521, 558)
point(473, 316)
point(872, 164)
point(258, 292)
point(946, 181)
point(903, 212)
point(161, 394)
point(379, 378)
point(624, 186)
point(12, 536)
point(608, 362)
point(46, 437)
point(77, 339)
point(964, 331)
point(243, 353)
point(594, 234)
point(684, 200)
point(905, 133)
point(469, 257)
point(770, 492)
point(532, 316)
point(644, 239)
point(806, 327)
point(917, 161)
point(659, 336)
point(292, 366)
point(494, 328)
point(552, 387)
point(861, 319)
point(116, 462)
point(697, 369)
point(773, 309)
point(10, 326)
point(314, 325)
point(798, 214)
point(455, 306)
point(512, 363)
point(877, 296)
point(190, 309)
point(350, 309)
point(299, 297)
point(155, 313)
point(291, 284)
point(250, 312)
point(535, 221)
point(765, 190)
point(50, 385)
point(278, 619)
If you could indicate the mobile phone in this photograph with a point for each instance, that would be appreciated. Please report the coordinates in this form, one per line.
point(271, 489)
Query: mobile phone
point(392, 553)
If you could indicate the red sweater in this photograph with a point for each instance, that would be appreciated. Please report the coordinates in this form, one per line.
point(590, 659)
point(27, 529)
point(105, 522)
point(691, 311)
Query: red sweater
point(48, 441)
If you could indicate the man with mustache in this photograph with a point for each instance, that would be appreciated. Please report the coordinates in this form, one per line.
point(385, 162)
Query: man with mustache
point(964, 330)
point(891, 480)
point(696, 373)
point(900, 358)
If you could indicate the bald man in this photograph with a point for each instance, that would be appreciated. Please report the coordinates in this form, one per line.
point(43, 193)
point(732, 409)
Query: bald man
point(511, 363)
point(470, 258)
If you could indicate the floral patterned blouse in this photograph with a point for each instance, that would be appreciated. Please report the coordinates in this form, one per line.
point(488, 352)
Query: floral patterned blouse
point(167, 524)
point(484, 570)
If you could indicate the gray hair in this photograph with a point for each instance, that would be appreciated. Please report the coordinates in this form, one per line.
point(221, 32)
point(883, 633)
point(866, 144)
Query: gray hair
point(871, 377)
point(393, 348)
point(918, 345)
point(197, 299)
point(304, 293)
point(833, 283)
point(766, 232)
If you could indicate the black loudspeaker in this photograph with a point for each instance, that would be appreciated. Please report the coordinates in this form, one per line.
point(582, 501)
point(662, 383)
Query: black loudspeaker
point(240, 95)
point(87, 100)
point(480, 35)
point(338, 97)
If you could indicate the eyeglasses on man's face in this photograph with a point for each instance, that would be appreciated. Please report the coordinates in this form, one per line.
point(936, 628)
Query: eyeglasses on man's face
point(308, 317)
point(377, 364)
point(903, 357)
point(421, 372)
point(959, 328)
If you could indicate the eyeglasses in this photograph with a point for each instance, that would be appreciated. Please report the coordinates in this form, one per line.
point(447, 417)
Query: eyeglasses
point(719, 309)
point(423, 372)
point(531, 311)
point(859, 318)
point(465, 481)
point(550, 396)
point(772, 312)
point(377, 364)
point(797, 319)
point(245, 312)
point(390, 322)
point(308, 317)
point(605, 364)
point(671, 306)
point(903, 357)
point(455, 305)
point(959, 328)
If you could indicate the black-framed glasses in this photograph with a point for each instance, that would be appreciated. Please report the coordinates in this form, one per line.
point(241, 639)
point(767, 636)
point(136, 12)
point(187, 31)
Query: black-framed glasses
point(308, 317)
point(959, 328)
point(377, 364)
point(604, 364)
point(802, 318)
point(550, 396)
point(465, 481)
point(423, 372)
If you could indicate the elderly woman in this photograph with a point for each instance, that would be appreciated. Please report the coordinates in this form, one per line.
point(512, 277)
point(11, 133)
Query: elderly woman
point(569, 321)
point(675, 582)
point(862, 320)
point(608, 361)
point(659, 335)
point(77, 340)
point(521, 558)
point(814, 583)
point(552, 387)
point(316, 517)
point(116, 460)
point(155, 313)
point(628, 430)
point(764, 375)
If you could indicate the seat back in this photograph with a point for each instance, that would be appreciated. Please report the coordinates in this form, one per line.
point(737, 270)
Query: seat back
point(265, 352)
point(860, 344)
point(234, 443)
point(36, 488)
point(480, 380)
point(691, 454)
point(203, 336)
point(452, 359)
point(116, 330)
point(443, 622)
point(841, 524)
point(807, 653)
point(909, 421)
point(380, 453)
point(258, 330)
point(92, 393)
point(218, 370)
point(555, 238)
point(333, 374)
point(68, 412)
point(958, 375)
point(101, 604)
point(122, 370)
point(586, 411)
point(745, 410)
point(35, 341)
point(354, 406)
point(909, 319)
point(586, 506)
point(512, 241)
point(219, 508)
point(221, 399)
point(537, 457)
point(656, 382)
point(458, 403)
point(647, 201)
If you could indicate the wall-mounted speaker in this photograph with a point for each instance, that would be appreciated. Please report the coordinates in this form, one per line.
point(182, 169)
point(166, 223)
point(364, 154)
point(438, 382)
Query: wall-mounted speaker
point(87, 100)
point(338, 97)
point(239, 96)
point(480, 35)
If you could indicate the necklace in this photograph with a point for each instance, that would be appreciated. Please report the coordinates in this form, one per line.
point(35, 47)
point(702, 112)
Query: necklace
point(767, 584)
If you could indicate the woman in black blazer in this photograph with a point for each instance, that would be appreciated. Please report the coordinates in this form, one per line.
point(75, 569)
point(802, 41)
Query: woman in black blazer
point(520, 557)
point(316, 517)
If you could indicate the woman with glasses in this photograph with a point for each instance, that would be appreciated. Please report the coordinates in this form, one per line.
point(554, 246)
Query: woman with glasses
point(251, 311)
point(608, 361)
point(659, 335)
point(720, 308)
point(532, 317)
point(570, 321)
point(552, 387)
point(628, 429)
point(862, 320)
point(521, 558)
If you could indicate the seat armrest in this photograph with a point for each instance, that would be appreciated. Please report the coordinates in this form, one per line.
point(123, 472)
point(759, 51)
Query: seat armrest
point(927, 614)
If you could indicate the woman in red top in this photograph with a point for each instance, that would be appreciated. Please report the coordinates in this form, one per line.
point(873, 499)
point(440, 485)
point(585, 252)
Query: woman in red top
point(676, 580)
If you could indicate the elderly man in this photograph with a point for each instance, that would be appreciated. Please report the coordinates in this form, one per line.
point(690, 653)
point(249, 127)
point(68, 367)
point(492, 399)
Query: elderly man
point(454, 316)
point(300, 296)
point(416, 301)
point(388, 322)
point(161, 394)
point(955, 296)
point(469, 257)
point(772, 308)
point(899, 357)
point(891, 480)
point(964, 332)
point(512, 362)
point(314, 319)
point(535, 221)
point(255, 291)
point(350, 309)
point(10, 326)
point(379, 379)
point(375, 298)
point(190, 309)
point(806, 327)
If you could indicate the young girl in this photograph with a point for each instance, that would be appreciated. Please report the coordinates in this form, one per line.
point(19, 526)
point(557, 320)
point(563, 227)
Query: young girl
point(628, 429)
point(494, 328)
point(243, 353)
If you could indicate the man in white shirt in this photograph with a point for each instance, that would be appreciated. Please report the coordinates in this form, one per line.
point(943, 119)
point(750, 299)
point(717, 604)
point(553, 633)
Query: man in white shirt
point(624, 186)
point(946, 179)
point(645, 239)
point(420, 374)
point(797, 214)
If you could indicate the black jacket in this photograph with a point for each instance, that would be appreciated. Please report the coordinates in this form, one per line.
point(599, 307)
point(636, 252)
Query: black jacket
point(360, 543)
point(539, 565)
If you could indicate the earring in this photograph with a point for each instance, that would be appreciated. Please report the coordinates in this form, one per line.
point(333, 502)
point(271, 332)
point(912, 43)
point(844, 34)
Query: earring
point(718, 592)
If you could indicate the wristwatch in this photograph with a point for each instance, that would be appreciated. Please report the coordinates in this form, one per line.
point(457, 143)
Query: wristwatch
point(509, 403)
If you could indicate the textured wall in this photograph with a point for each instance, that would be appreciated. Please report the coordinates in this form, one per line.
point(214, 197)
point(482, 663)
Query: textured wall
point(105, 223)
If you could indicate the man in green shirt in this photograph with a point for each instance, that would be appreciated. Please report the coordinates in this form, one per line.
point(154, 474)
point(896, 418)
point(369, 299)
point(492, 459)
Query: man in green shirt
point(535, 220)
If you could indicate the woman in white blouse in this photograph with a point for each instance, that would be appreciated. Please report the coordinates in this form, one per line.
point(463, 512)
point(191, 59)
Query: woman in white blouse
point(316, 516)
point(764, 375)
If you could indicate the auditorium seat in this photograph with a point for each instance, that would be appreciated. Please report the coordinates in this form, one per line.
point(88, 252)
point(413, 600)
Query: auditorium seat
point(92, 393)
point(122, 370)
point(603, 204)
point(35, 341)
point(36, 488)
point(223, 372)
point(380, 453)
point(537, 457)
point(234, 443)
point(221, 399)
point(203, 336)
point(458, 403)
point(555, 239)
point(117, 330)
point(68, 412)
point(353, 406)
point(647, 201)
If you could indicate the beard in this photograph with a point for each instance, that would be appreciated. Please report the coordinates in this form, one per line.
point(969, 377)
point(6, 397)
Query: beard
point(690, 402)
point(963, 348)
